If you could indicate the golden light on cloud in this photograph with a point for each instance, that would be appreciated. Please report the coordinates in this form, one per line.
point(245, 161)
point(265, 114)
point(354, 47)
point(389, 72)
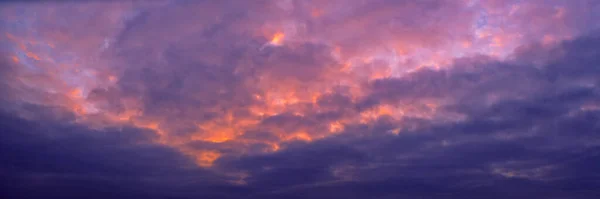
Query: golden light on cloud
point(76, 93)
point(217, 133)
point(336, 127)
point(277, 39)
point(206, 158)
point(303, 136)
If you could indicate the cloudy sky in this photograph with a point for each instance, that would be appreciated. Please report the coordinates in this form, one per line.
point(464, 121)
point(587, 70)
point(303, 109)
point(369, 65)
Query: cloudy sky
point(299, 99)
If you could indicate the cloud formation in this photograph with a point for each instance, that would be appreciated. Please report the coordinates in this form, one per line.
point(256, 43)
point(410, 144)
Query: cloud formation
point(300, 99)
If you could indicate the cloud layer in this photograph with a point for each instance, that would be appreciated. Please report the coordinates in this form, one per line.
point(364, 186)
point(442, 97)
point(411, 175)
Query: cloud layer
point(300, 99)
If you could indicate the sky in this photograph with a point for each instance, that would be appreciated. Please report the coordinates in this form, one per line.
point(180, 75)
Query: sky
point(299, 99)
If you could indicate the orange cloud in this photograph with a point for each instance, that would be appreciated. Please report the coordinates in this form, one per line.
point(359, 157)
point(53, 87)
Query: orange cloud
point(316, 12)
point(277, 39)
point(15, 59)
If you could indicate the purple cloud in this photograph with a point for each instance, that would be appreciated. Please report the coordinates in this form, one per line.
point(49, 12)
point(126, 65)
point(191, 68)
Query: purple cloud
point(299, 99)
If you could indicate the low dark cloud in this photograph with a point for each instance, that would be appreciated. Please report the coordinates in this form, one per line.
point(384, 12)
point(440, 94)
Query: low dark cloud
point(55, 158)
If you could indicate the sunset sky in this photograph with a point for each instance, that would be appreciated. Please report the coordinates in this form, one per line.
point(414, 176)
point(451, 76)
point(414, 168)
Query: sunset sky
point(300, 99)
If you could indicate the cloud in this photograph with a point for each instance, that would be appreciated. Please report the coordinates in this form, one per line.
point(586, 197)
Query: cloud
point(524, 146)
point(383, 99)
point(42, 156)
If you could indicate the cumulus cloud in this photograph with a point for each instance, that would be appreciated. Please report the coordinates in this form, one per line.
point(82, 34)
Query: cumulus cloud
point(526, 146)
point(300, 99)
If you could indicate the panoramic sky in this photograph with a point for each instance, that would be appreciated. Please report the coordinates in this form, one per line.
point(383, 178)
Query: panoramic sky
point(300, 99)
